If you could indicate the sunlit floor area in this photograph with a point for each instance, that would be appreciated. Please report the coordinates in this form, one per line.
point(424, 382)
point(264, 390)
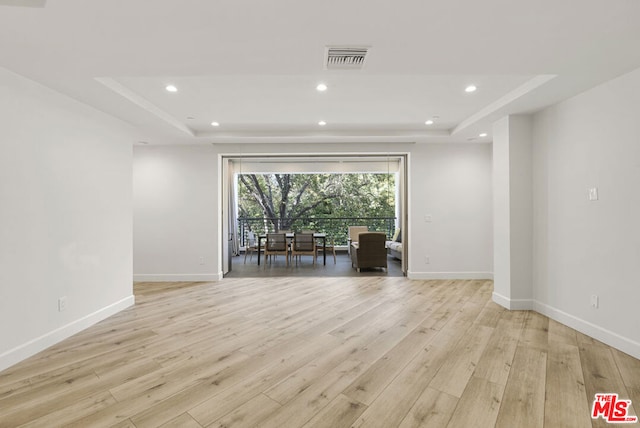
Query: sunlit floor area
point(323, 352)
point(305, 267)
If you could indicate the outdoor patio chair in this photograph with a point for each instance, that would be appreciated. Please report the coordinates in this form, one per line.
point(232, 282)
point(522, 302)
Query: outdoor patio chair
point(329, 247)
point(303, 244)
point(369, 251)
point(276, 244)
point(353, 233)
point(251, 246)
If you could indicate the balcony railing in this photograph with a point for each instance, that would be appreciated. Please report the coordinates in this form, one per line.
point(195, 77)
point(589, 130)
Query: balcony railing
point(336, 228)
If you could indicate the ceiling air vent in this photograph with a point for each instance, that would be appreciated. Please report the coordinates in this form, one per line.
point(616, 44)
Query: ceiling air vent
point(345, 58)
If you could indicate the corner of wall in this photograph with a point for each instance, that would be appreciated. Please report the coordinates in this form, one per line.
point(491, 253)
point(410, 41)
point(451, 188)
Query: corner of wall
point(32, 347)
point(512, 304)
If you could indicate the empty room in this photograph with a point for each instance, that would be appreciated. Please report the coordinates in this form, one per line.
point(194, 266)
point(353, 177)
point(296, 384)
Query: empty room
point(339, 214)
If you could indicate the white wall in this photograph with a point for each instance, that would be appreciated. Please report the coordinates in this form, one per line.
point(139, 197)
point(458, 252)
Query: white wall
point(512, 207)
point(65, 217)
point(582, 247)
point(452, 184)
point(175, 214)
point(501, 213)
point(521, 201)
point(176, 207)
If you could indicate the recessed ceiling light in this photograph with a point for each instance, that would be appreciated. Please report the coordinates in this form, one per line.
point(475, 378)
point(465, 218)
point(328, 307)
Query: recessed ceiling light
point(429, 122)
point(321, 87)
point(322, 123)
point(171, 88)
point(484, 134)
point(470, 88)
point(215, 124)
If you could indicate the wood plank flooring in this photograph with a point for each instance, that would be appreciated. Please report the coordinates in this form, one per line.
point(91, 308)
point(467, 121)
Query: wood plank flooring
point(318, 352)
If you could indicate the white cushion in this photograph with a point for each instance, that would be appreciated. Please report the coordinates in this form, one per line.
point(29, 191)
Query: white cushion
point(396, 246)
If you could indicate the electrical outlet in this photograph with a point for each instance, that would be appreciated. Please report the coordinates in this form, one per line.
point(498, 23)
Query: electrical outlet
point(427, 218)
point(426, 260)
point(593, 194)
point(201, 260)
point(595, 301)
point(62, 303)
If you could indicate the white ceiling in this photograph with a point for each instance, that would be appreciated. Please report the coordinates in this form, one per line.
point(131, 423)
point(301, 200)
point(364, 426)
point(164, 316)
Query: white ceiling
point(253, 65)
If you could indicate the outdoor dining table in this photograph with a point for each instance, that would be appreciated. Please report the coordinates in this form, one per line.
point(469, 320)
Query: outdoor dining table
point(321, 236)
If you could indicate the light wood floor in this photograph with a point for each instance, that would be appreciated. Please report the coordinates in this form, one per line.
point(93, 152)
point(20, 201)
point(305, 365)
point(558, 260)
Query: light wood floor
point(313, 352)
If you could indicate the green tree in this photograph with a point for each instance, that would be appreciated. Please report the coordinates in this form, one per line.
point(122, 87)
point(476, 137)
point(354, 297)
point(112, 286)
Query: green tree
point(283, 199)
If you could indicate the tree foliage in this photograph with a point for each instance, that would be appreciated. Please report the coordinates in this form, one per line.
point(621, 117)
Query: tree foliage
point(285, 198)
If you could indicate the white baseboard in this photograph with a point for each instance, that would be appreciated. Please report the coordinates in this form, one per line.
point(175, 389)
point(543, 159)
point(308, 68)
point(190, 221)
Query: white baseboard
point(181, 277)
point(32, 347)
point(450, 275)
point(513, 304)
point(612, 339)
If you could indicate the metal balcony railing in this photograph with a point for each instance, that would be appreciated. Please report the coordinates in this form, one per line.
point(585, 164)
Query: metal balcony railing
point(335, 227)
